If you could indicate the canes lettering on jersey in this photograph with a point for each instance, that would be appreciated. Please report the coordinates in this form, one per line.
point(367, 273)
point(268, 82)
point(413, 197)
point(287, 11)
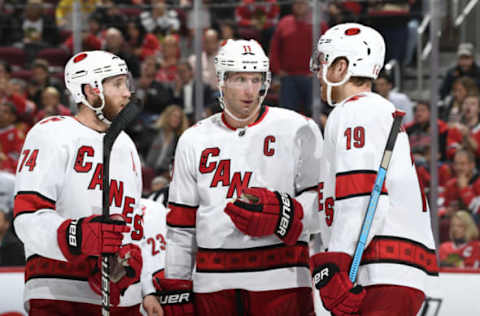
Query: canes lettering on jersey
point(236, 183)
point(82, 165)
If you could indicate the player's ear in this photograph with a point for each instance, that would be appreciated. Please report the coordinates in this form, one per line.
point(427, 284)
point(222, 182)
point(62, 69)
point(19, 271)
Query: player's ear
point(90, 92)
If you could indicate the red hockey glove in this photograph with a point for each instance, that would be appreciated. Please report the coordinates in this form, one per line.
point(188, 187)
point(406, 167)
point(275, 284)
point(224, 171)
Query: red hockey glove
point(125, 269)
point(261, 212)
point(90, 236)
point(330, 275)
point(175, 296)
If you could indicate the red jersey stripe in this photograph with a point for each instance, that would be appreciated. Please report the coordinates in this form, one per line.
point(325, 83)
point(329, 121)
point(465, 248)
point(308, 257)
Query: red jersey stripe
point(253, 259)
point(390, 249)
point(26, 202)
point(181, 215)
point(40, 267)
point(355, 183)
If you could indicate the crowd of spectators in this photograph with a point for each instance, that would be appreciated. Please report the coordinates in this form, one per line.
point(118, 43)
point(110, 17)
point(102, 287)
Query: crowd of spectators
point(156, 38)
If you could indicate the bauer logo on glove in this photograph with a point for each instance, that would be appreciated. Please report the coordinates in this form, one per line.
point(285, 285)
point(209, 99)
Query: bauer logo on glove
point(261, 212)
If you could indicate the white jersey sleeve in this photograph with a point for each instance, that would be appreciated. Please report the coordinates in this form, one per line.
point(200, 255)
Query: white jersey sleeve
point(154, 244)
point(307, 175)
point(41, 167)
point(181, 219)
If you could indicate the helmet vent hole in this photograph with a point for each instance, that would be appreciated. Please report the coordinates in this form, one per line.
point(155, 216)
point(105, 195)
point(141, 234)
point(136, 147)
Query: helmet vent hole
point(254, 67)
point(244, 67)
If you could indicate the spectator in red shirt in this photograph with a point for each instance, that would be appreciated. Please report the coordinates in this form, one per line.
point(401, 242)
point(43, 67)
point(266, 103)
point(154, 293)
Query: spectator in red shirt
point(260, 17)
point(463, 249)
point(463, 191)
point(290, 52)
point(11, 138)
point(466, 133)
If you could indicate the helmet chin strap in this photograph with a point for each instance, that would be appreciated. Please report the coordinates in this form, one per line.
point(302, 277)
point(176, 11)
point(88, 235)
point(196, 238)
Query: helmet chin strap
point(99, 110)
point(333, 84)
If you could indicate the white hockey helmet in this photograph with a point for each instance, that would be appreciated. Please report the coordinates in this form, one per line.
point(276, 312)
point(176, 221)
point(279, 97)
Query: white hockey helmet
point(92, 68)
point(242, 56)
point(362, 46)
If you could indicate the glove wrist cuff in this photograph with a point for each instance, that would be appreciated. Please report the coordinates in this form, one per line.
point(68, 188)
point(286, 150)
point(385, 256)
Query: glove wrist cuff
point(69, 241)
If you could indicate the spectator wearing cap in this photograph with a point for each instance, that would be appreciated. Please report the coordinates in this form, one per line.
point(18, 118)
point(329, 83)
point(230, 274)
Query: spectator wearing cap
point(11, 138)
point(465, 67)
point(11, 248)
point(384, 87)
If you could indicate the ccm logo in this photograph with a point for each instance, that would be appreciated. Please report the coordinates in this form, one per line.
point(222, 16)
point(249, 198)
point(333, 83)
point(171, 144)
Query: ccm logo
point(175, 298)
point(72, 233)
point(285, 216)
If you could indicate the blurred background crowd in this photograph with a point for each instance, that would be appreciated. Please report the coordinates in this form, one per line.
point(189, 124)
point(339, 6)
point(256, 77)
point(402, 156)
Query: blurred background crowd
point(156, 38)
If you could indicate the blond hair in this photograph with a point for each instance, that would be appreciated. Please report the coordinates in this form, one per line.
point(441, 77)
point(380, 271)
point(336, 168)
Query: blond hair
point(162, 121)
point(471, 229)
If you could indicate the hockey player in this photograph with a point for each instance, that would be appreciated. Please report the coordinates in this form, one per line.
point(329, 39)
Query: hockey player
point(58, 200)
point(154, 213)
point(400, 251)
point(248, 255)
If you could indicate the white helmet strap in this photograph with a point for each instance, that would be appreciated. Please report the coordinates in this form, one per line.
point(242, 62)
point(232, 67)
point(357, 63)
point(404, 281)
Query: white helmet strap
point(333, 84)
point(98, 110)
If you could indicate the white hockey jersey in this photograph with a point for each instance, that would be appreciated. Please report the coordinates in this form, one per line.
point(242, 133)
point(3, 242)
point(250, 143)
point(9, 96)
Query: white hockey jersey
point(400, 248)
point(213, 162)
point(155, 229)
point(59, 176)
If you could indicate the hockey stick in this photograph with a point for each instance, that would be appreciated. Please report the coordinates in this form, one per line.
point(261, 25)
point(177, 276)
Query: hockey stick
point(375, 195)
point(123, 119)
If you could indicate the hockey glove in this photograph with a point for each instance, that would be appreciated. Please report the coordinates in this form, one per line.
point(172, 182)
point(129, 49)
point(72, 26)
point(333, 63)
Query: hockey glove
point(330, 275)
point(175, 296)
point(126, 267)
point(261, 212)
point(90, 236)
